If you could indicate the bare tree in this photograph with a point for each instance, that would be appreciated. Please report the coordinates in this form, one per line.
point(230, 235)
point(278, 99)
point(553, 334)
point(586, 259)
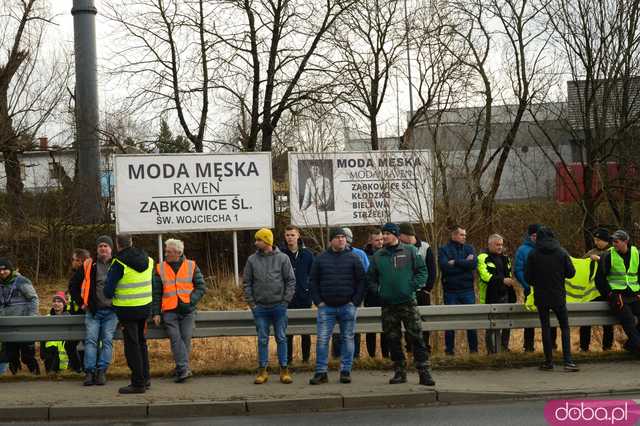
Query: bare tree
point(31, 88)
point(369, 40)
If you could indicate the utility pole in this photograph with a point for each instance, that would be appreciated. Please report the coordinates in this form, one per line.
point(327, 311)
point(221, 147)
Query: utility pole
point(88, 194)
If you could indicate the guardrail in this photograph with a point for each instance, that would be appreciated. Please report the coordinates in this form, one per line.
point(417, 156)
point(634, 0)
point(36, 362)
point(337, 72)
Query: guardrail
point(303, 321)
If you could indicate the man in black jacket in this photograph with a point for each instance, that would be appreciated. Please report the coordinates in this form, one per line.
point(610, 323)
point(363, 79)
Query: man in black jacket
point(86, 288)
point(548, 265)
point(337, 288)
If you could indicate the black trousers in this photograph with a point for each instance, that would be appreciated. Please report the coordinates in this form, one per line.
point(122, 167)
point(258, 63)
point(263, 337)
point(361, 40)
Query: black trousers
point(530, 334)
point(136, 351)
point(607, 334)
point(51, 359)
point(76, 357)
point(305, 343)
point(424, 299)
point(563, 318)
point(335, 345)
point(20, 351)
point(628, 316)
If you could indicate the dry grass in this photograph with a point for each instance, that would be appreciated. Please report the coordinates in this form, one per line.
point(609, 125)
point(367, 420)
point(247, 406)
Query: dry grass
point(236, 355)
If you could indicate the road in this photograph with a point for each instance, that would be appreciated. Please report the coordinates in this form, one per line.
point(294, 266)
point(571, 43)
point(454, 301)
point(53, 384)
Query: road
point(527, 413)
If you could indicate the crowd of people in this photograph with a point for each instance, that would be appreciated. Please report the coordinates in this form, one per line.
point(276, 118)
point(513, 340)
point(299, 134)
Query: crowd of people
point(396, 271)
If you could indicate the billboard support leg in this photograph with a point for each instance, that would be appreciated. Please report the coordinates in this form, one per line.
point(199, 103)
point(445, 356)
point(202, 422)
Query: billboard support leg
point(235, 258)
point(160, 252)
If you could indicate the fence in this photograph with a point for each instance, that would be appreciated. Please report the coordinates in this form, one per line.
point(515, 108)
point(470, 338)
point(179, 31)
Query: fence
point(303, 321)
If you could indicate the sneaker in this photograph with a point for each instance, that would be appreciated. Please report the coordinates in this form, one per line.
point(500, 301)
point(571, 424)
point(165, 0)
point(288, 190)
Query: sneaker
point(285, 376)
point(89, 379)
point(183, 377)
point(571, 367)
point(400, 376)
point(100, 378)
point(147, 384)
point(345, 377)
point(131, 389)
point(546, 366)
point(261, 377)
point(319, 378)
point(425, 378)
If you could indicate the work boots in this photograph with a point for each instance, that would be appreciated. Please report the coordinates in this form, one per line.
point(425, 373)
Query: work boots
point(425, 377)
point(400, 376)
point(285, 376)
point(89, 379)
point(318, 379)
point(261, 377)
point(101, 378)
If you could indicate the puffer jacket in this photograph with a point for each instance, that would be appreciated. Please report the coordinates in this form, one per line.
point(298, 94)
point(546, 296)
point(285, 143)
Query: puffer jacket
point(268, 279)
point(18, 297)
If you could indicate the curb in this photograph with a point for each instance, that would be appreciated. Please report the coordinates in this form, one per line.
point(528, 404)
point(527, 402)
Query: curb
point(173, 409)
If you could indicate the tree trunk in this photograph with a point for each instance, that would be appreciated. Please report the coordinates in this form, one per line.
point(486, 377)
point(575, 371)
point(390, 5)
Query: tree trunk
point(15, 188)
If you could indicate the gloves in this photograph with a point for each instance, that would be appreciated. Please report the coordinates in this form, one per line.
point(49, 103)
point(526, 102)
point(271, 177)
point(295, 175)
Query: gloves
point(615, 302)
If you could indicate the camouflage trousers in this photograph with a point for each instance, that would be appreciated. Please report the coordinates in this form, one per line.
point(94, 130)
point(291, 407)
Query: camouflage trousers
point(393, 317)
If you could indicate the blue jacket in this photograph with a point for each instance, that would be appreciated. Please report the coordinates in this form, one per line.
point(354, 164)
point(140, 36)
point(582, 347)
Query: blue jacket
point(521, 261)
point(302, 261)
point(337, 278)
point(362, 255)
point(457, 278)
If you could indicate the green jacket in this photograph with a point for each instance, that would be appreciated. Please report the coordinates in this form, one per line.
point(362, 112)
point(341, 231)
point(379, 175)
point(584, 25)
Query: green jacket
point(396, 273)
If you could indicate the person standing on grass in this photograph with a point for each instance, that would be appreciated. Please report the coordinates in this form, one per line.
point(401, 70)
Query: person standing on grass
point(87, 291)
point(337, 289)
point(129, 285)
point(301, 259)
point(397, 271)
point(547, 267)
point(269, 285)
point(178, 286)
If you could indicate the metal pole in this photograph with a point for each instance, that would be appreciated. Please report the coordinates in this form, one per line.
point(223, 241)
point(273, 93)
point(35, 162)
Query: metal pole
point(86, 110)
point(160, 251)
point(235, 258)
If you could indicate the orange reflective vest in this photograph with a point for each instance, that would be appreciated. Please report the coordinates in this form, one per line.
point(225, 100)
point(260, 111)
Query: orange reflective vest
point(86, 284)
point(176, 285)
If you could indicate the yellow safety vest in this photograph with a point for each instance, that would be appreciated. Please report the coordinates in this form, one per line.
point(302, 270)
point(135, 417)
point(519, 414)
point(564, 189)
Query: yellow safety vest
point(619, 277)
point(62, 353)
point(485, 272)
point(134, 288)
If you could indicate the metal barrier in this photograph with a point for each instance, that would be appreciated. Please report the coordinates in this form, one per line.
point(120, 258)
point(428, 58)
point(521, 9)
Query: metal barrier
point(303, 321)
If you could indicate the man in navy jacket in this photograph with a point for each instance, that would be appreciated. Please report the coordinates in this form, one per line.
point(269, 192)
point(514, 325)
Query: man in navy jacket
point(301, 259)
point(457, 262)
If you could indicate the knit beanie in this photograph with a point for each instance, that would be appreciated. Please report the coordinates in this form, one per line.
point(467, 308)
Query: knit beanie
point(533, 229)
point(60, 296)
point(407, 229)
point(348, 234)
point(334, 232)
point(265, 235)
point(6, 264)
point(391, 228)
point(106, 240)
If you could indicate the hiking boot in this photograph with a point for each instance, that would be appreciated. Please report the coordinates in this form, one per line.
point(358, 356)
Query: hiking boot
point(131, 389)
point(147, 384)
point(285, 376)
point(345, 377)
point(261, 377)
point(101, 378)
point(400, 376)
point(425, 378)
point(571, 367)
point(89, 379)
point(318, 378)
point(183, 377)
point(546, 366)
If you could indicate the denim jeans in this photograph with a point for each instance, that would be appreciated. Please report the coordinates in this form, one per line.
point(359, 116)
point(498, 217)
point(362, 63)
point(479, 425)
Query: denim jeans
point(265, 317)
point(463, 298)
point(345, 315)
point(98, 343)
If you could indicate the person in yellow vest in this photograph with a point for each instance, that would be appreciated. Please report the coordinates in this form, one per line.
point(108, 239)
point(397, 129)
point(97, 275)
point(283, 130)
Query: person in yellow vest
point(87, 291)
point(617, 280)
point(495, 286)
point(53, 352)
point(178, 286)
point(129, 286)
point(601, 242)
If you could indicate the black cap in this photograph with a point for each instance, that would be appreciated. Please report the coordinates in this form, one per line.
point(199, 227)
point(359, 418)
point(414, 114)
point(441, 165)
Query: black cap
point(602, 234)
point(391, 228)
point(105, 239)
point(6, 264)
point(407, 229)
point(533, 228)
point(334, 232)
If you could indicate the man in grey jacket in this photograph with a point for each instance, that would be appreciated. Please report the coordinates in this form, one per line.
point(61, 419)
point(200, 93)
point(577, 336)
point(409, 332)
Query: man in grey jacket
point(18, 297)
point(269, 285)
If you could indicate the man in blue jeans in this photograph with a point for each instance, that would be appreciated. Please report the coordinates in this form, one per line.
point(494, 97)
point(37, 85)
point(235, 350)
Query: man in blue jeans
point(86, 288)
point(337, 287)
point(457, 262)
point(269, 285)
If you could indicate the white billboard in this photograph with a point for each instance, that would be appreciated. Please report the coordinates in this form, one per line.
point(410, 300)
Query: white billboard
point(357, 188)
point(161, 193)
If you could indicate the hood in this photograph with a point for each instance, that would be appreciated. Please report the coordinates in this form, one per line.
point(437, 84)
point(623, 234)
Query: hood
point(9, 279)
point(528, 242)
point(285, 249)
point(261, 253)
point(134, 258)
point(546, 241)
